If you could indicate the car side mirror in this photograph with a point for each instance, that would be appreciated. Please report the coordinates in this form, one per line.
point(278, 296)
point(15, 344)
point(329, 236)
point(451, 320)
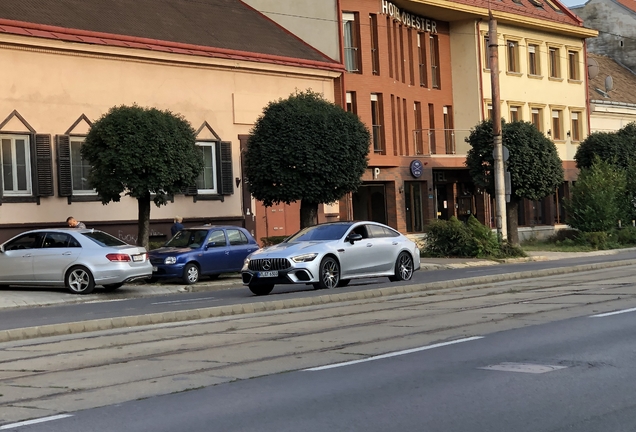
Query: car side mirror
point(354, 238)
point(1, 249)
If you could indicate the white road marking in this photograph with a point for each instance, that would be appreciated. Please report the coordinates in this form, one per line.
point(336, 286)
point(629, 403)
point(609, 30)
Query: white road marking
point(186, 300)
point(35, 421)
point(613, 313)
point(395, 354)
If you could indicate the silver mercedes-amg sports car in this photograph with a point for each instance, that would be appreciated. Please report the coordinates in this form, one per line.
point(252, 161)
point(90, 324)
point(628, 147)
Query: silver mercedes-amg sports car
point(330, 255)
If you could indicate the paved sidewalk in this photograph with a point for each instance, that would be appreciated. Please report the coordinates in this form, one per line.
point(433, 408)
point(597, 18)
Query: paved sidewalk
point(34, 297)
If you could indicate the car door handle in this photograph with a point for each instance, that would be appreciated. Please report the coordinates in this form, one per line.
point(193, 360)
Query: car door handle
point(66, 253)
point(27, 256)
point(227, 252)
point(395, 243)
point(369, 245)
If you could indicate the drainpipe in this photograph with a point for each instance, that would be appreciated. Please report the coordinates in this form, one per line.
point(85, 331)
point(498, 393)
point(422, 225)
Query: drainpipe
point(480, 68)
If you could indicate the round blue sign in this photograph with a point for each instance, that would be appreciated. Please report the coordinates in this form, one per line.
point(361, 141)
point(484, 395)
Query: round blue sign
point(417, 168)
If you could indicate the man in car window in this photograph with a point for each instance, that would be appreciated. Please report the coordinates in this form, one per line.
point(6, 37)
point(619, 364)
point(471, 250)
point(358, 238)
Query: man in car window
point(72, 223)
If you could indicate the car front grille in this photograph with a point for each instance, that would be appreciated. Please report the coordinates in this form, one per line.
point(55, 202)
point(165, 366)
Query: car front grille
point(266, 264)
point(156, 261)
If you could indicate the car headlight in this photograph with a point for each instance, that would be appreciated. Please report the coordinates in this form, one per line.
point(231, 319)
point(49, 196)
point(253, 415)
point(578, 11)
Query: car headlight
point(305, 258)
point(170, 260)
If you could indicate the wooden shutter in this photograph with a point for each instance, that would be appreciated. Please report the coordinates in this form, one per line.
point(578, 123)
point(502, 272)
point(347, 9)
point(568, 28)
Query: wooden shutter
point(64, 183)
point(44, 165)
point(191, 190)
point(226, 177)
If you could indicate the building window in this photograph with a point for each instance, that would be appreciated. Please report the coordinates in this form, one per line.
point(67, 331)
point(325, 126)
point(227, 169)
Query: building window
point(375, 56)
point(206, 183)
point(402, 57)
point(576, 131)
point(376, 120)
point(512, 48)
point(557, 125)
point(415, 200)
point(515, 113)
point(537, 118)
point(489, 112)
point(431, 133)
point(555, 65)
point(449, 132)
point(80, 168)
point(352, 106)
point(573, 65)
point(16, 165)
point(533, 60)
point(418, 136)
point(421, 51)
point(350, 38)
point(389, 45)
point(409, 34)
point(486, 52)
point(434, 51)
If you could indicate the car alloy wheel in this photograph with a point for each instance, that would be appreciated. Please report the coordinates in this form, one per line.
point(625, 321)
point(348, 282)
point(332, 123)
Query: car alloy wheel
point(79, 281)
point(403, 267)
point(329, 273)
point(191, 274)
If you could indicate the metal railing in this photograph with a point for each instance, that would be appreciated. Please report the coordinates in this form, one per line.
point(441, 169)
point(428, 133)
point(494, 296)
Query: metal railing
point(425, 141)
point(375, 61)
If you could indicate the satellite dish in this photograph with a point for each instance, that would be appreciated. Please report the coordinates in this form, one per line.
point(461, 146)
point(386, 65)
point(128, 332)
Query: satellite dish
point(592, 68)
point(609, 83)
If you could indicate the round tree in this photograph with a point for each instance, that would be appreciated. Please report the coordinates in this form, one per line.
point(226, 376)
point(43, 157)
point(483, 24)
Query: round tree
point(145, 153)
point(536, 170)
point(305, 148)
point(617, 148)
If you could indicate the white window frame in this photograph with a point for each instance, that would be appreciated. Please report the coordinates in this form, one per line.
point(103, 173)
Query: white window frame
point(77, 192)
point(214, 190)
point(29, 178)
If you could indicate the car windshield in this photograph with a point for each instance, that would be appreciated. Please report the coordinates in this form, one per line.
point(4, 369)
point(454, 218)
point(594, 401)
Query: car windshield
point(103, 239)
point(320, 233)
point(192, 239)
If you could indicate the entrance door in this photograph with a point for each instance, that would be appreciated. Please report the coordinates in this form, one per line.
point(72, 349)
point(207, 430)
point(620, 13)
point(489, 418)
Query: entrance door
point(415, 205)
point(369, 203)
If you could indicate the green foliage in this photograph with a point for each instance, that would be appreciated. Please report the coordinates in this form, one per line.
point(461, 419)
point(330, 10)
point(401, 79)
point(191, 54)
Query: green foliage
point(535, 168)
point(273, 240)
point(599, 198)
point(617, 148)
point(155, 244)
point(626, 236)
point(452, 238)
point(141, 151)
point(597, 240)
point(306, 148)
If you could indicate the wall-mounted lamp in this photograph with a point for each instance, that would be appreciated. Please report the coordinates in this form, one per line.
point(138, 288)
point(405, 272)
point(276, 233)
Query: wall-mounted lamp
point(401, 189)
point(237, 180)
point(549, 132)
point(568, 134)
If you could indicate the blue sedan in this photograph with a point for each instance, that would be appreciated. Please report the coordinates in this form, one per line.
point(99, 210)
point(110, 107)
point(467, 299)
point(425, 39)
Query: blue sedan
point(202, 251)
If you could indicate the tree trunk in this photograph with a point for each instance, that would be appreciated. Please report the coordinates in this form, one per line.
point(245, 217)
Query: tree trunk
point(308, 214)
point(512, 216)
point(143, 224)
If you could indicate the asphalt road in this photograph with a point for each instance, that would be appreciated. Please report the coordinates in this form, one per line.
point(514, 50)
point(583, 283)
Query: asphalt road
point(29, 317)
point(586, 386)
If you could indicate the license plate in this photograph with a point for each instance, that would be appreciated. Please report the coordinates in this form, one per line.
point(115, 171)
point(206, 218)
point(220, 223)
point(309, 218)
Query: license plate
point(266, 274)
point(154, 268)
point(137, 258)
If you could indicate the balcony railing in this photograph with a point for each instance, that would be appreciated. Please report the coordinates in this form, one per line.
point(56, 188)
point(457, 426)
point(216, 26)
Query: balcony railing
point(425, 141)
point(375, 61)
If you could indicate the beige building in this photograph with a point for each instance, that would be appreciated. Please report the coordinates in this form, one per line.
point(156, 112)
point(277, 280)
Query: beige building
point(66, 70)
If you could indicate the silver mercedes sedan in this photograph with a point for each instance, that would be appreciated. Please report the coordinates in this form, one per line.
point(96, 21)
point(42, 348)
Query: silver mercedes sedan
point(330, 255)
point(78, 259)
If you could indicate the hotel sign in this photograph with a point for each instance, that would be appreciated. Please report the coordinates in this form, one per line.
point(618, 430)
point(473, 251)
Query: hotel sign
point(408, 19)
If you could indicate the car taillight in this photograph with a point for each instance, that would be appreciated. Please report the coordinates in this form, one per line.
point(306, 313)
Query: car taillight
point(118, 257)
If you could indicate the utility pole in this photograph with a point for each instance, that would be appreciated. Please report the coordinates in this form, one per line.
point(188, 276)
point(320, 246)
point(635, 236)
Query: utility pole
point(500, 185)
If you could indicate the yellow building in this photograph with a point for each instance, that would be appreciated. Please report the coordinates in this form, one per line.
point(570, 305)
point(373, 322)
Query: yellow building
point(215, 65)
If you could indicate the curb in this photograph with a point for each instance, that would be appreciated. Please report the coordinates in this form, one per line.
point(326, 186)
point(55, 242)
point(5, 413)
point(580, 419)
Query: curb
point(275, 305)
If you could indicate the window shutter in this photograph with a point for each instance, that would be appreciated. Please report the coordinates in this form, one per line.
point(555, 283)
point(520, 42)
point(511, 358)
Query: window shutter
point(225, 165)
point(65, 186)
point(44, 165)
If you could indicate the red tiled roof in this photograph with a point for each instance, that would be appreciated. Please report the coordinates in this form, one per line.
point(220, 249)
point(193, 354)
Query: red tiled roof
point(629, 4)
point(212, 28)
point(624, 82)
point(539, 9)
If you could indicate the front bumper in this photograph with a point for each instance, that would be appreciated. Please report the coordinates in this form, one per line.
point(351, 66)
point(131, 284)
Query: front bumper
point(168, 271)
point(293, 275)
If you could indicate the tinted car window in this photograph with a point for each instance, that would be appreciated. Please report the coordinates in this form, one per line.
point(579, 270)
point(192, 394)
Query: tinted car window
point(320, 233)
point(103, 239)
point(58, 240)
point(26, 241)
point(188, 238)
point(236, 237)
point(376, 231)
point(391, 233)
point(362, 230)
point(217, 239)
